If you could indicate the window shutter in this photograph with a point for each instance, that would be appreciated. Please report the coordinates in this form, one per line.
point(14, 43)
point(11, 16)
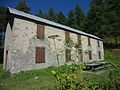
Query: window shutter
point(40, 31)
point(98, 43)
point(40, 54)
point(68, 55)
point(79, 37)
point(81, 57)
point(43, 54)
point(67, 35)
point(89, 43)
point(67, 52)
point(99, 54)
point(80, 53)
point(90, 54)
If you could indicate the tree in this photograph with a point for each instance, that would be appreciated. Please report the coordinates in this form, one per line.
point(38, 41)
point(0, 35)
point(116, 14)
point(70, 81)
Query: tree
point(3, 21)
point(22, 6)
point(103, 19)
point(71, 19)
point(113, 18)
point(46, 16)
point(51, 14)
point(95, 20)
point(61, 18)
point(76, 18)
point(79, 15)
point(40, 14)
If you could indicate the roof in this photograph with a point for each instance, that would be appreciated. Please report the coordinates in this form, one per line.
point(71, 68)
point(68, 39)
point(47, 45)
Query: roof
point(19, 13)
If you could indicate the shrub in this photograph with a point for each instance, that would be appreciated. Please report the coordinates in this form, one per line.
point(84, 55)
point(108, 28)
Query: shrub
point(67, 78)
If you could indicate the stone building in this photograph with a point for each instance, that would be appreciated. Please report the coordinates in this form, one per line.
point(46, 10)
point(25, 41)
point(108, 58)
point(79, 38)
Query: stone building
point(28, 47)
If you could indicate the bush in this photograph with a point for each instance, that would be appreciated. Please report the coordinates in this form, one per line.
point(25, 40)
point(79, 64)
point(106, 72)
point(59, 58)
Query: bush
point(67, 77)
point(112, 54)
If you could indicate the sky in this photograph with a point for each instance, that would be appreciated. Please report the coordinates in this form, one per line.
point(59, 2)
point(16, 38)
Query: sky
point(58, 5)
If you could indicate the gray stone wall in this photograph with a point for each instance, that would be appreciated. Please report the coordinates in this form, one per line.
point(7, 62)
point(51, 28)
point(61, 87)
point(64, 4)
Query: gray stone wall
point(22, 42)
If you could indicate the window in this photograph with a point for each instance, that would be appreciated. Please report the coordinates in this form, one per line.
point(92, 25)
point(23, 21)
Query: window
point(40, 54)
point(98, 43)
point(40, 31)
point(90, 54)
point(80, 56)
point(67, 52)
point(68, 55)
point(89, 44)
point(67, 35)
point(99, 54)
point(79, 41)
point(79, 37)
point(80, 52)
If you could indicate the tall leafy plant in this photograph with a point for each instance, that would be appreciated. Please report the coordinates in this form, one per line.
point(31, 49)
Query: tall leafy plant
point(57, 51)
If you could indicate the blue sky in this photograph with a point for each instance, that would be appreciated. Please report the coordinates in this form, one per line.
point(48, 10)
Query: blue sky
point(44, 5)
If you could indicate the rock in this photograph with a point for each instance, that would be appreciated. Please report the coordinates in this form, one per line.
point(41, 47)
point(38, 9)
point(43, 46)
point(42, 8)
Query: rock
point(36, 78)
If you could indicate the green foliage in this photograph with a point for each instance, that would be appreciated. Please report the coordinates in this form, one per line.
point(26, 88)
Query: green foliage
point(43, 79)
point(4, 73)
point(28, 80)
point(40, 14)
point(103, 19)
point(93, 86)
point(69, 43)
point(112, 54)
point(51, 14)
point(76, 18)
point(95, 20)
point(79, 15)
point(61, 18)
point(68, 80)
point(71, 19)
point(22, 6)
point(114, 83)
point(78, 45)
point(3, 22)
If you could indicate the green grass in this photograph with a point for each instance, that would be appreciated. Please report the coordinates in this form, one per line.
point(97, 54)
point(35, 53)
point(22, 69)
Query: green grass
point(27, 81)
point(46, 81)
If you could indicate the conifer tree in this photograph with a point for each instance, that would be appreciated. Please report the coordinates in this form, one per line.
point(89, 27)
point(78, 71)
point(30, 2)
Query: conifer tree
point(3, 21)
point(71, 19)
point(113, 18)
point(51, 14)
point(61, 18)
point(79, 15)
point(40, 14)
point(22, 6)
point(95, 20)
